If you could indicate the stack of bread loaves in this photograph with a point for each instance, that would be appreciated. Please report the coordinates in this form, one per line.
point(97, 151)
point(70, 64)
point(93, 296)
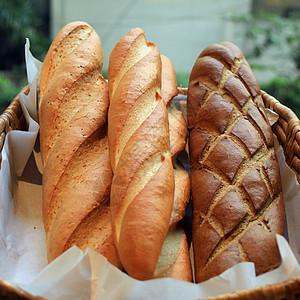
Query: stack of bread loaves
point(112, 180)
point(77, 174)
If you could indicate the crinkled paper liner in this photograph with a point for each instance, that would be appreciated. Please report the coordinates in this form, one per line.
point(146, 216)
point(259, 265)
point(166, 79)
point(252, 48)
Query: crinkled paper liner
point(88, 275)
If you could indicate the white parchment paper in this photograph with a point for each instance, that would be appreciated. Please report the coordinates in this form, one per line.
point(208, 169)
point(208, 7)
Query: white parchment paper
point(79, 275)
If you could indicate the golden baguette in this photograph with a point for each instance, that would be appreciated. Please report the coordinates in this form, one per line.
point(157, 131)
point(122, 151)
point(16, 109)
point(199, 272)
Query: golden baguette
point(174, 260)
point(138, 133)
point(73, 137)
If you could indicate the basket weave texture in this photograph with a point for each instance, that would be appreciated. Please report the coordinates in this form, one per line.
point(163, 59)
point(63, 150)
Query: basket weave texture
point(287, 130)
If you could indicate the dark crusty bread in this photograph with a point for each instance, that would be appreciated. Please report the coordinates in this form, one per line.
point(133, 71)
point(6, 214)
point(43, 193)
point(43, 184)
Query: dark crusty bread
point(73, 136)
point(142, 189)
point(235, 181)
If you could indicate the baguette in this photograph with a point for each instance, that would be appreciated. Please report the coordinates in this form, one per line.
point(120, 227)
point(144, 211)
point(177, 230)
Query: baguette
point(142, 189)
point(73, 136)
point(174, 260)
point(235, 181)
point(168, 79)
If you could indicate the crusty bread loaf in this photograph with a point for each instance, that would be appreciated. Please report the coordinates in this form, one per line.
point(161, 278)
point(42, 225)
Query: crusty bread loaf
point(138, 134)
point(74, 58)
point(236, 192)
point(174, 260)
point(73, 136)
point(168, 79)
point(178, 137)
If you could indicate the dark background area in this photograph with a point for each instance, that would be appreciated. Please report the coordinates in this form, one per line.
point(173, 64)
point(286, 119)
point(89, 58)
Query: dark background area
point(20, 19)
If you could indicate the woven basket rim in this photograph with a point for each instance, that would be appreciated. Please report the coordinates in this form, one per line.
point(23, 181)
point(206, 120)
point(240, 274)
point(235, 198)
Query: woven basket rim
point(15, 292)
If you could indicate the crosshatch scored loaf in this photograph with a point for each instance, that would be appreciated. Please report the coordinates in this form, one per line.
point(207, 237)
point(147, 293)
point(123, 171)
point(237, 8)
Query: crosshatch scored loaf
point(235, 181)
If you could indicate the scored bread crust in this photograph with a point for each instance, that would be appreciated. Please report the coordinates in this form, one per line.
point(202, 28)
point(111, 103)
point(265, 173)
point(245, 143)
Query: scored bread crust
point(235, 181)
point(168, 79)
point(73, 136)
point(174, 260)
point(138, 133)
point(74, 58)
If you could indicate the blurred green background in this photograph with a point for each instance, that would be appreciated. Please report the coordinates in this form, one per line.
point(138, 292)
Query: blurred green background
point(267, 31)
point(20, 19)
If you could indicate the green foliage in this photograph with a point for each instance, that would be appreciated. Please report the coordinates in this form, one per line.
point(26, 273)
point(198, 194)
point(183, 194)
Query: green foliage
point(19, 21)
point(265, 31)
point(182, 79)
point(287, 91)
point(8, 90)
point(104, 73)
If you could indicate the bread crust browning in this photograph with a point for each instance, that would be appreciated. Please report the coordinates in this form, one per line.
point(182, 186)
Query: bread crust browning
point(138, 132)
point(60, 73)
point(77, 173)
point(235, 182)
point(168, 88)
point(64, 150)
point(174, 260)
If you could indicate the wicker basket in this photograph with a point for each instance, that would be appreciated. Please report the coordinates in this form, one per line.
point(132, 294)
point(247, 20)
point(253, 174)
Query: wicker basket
point(287, 130)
